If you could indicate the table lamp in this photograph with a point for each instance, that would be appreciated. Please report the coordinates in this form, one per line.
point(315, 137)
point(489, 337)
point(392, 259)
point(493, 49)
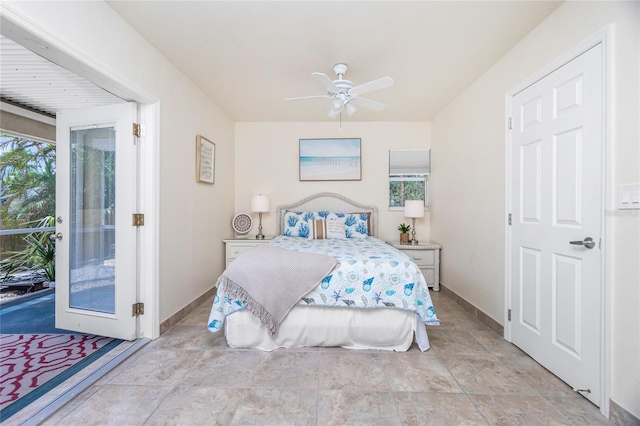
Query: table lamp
point(413, 209)
point(260, 204)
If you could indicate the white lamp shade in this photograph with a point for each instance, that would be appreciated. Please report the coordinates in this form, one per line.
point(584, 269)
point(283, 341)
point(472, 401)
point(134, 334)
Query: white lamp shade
point(414, 208)
point(260, 203)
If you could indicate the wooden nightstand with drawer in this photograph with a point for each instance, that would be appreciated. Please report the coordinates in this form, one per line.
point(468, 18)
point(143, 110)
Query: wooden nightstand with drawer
point(236, 246)
point(427, 257)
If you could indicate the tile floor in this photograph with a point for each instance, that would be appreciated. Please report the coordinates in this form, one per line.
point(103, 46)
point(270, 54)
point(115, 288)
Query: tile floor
point(469, 376)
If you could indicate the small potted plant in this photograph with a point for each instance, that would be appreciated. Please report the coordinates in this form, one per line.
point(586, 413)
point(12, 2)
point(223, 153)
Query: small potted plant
point(404, 233)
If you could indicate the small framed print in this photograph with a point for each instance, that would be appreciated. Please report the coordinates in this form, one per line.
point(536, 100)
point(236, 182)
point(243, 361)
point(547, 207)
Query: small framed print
point(205, 160)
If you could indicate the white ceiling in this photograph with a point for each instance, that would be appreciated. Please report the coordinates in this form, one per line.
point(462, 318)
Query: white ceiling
point(249, 56)
point(32, 81)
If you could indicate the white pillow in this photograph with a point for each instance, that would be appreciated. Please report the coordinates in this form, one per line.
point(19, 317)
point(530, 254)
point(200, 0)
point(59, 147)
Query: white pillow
point(336, 229)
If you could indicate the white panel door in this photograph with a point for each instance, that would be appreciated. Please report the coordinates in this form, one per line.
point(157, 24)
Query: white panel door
point(556, 146)
point(95, 198)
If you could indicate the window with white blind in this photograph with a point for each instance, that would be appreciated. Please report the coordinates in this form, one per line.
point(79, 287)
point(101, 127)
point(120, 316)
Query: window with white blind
point(408, 171)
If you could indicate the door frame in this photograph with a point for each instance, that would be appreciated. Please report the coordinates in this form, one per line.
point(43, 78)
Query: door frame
point(605, 38)
point(34, 37)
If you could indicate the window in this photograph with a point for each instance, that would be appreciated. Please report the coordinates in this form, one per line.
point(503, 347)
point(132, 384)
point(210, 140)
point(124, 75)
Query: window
point(408, 171)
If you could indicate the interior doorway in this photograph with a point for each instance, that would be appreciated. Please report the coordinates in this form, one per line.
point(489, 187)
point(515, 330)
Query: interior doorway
point(556, 290)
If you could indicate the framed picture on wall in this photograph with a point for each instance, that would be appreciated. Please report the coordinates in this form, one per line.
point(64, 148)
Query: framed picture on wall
point(205, 160)
point(330, 159)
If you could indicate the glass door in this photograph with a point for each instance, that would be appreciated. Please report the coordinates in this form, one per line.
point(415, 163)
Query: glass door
point(96, 184)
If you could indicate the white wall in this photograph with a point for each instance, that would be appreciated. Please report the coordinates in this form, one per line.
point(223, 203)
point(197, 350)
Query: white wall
point(267, 163)
point(467, 203)
point(190, 247)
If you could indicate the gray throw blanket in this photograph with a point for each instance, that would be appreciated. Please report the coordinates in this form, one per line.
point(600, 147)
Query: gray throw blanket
point(270, 280)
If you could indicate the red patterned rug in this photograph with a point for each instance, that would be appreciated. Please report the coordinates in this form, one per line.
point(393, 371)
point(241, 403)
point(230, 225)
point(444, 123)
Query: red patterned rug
point(28, 361)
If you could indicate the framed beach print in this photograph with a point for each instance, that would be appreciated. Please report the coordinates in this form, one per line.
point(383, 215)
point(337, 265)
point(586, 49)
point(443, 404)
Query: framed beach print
point(330, 159)
point(205, 160)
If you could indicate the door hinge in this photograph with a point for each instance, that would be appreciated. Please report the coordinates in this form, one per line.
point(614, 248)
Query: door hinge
point(509, 218)
point(138, 219)
point(510, 123)
point(138, 130)
point(509, 315)
point(137, 309)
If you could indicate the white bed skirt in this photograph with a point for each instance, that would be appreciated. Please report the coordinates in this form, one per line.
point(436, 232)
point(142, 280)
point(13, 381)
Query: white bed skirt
point(385, 329)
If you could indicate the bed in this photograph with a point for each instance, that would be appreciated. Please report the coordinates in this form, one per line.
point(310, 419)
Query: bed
point(376, 298)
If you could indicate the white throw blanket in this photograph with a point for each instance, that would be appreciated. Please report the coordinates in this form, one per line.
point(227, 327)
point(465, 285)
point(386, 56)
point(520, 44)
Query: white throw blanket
point(270, 280)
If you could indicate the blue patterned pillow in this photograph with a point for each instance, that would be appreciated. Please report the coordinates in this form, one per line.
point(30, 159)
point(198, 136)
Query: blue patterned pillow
point(295, 224)
point(357, 225)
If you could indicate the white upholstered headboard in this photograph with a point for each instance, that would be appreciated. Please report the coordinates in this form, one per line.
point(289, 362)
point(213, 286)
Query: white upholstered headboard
point(328, 201)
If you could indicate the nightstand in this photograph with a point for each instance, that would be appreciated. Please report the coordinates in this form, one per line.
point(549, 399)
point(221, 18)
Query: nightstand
point(427, 257)
point(236, 246)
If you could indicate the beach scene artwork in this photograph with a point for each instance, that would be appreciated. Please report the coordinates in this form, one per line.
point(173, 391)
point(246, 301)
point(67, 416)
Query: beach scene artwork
point(330, 159)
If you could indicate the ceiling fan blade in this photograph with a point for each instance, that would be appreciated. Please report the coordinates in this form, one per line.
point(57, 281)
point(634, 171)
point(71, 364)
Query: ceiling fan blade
point(381, 83)
point(307, 97)
point(367, 103)
point(325, 81)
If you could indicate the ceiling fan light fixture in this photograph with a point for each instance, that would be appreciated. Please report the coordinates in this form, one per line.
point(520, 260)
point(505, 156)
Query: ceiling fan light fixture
point(333, 113)
point(350, 108)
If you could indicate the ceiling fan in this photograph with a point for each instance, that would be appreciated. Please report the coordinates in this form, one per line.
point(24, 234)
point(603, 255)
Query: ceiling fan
point(345, 97)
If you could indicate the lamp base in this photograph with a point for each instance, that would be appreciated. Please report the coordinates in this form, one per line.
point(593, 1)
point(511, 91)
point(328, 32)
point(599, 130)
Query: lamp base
point(413, 240)
point(260, 236)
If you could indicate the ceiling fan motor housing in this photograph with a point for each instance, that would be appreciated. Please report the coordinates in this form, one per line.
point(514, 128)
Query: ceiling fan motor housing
point(343, 85)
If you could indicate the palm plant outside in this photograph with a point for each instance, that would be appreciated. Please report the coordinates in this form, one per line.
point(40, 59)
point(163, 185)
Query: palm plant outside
point(27, 200)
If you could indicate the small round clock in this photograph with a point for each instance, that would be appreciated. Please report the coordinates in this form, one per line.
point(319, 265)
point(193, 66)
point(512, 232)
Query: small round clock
point(242, 223)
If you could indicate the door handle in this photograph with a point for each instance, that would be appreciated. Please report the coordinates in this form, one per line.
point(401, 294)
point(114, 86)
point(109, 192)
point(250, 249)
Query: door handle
point(587, 242)
point(54, 237)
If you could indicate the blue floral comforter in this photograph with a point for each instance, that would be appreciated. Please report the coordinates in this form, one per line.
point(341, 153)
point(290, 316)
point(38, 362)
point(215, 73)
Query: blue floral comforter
point(371, 274)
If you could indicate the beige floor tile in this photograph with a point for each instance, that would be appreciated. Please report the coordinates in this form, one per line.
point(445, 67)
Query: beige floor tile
point(276, 407)
point(486, 374)
point(495, 344)
point(197, 318)
point(517, 410)
point(580, 411)
point(161, 367)
point(118, 405)
point(418, 373)
point(187, 337)
point(197, 406)
point(228, 369)
point(352, 371)
point(342, 407)
point(58, 417)
point(438, 409)
point(455, 342)
point(538, 377)
point(287, 370)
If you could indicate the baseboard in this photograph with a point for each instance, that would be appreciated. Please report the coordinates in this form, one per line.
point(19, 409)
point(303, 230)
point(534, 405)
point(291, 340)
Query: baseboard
point(175, 318)
point(620, 416)
point(481, 316)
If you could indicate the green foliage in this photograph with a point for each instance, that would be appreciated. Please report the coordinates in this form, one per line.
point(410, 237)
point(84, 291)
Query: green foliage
point(404, 228)
point(27, 200)
point(27, 181)
point(401, 190)
point(40, 255)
